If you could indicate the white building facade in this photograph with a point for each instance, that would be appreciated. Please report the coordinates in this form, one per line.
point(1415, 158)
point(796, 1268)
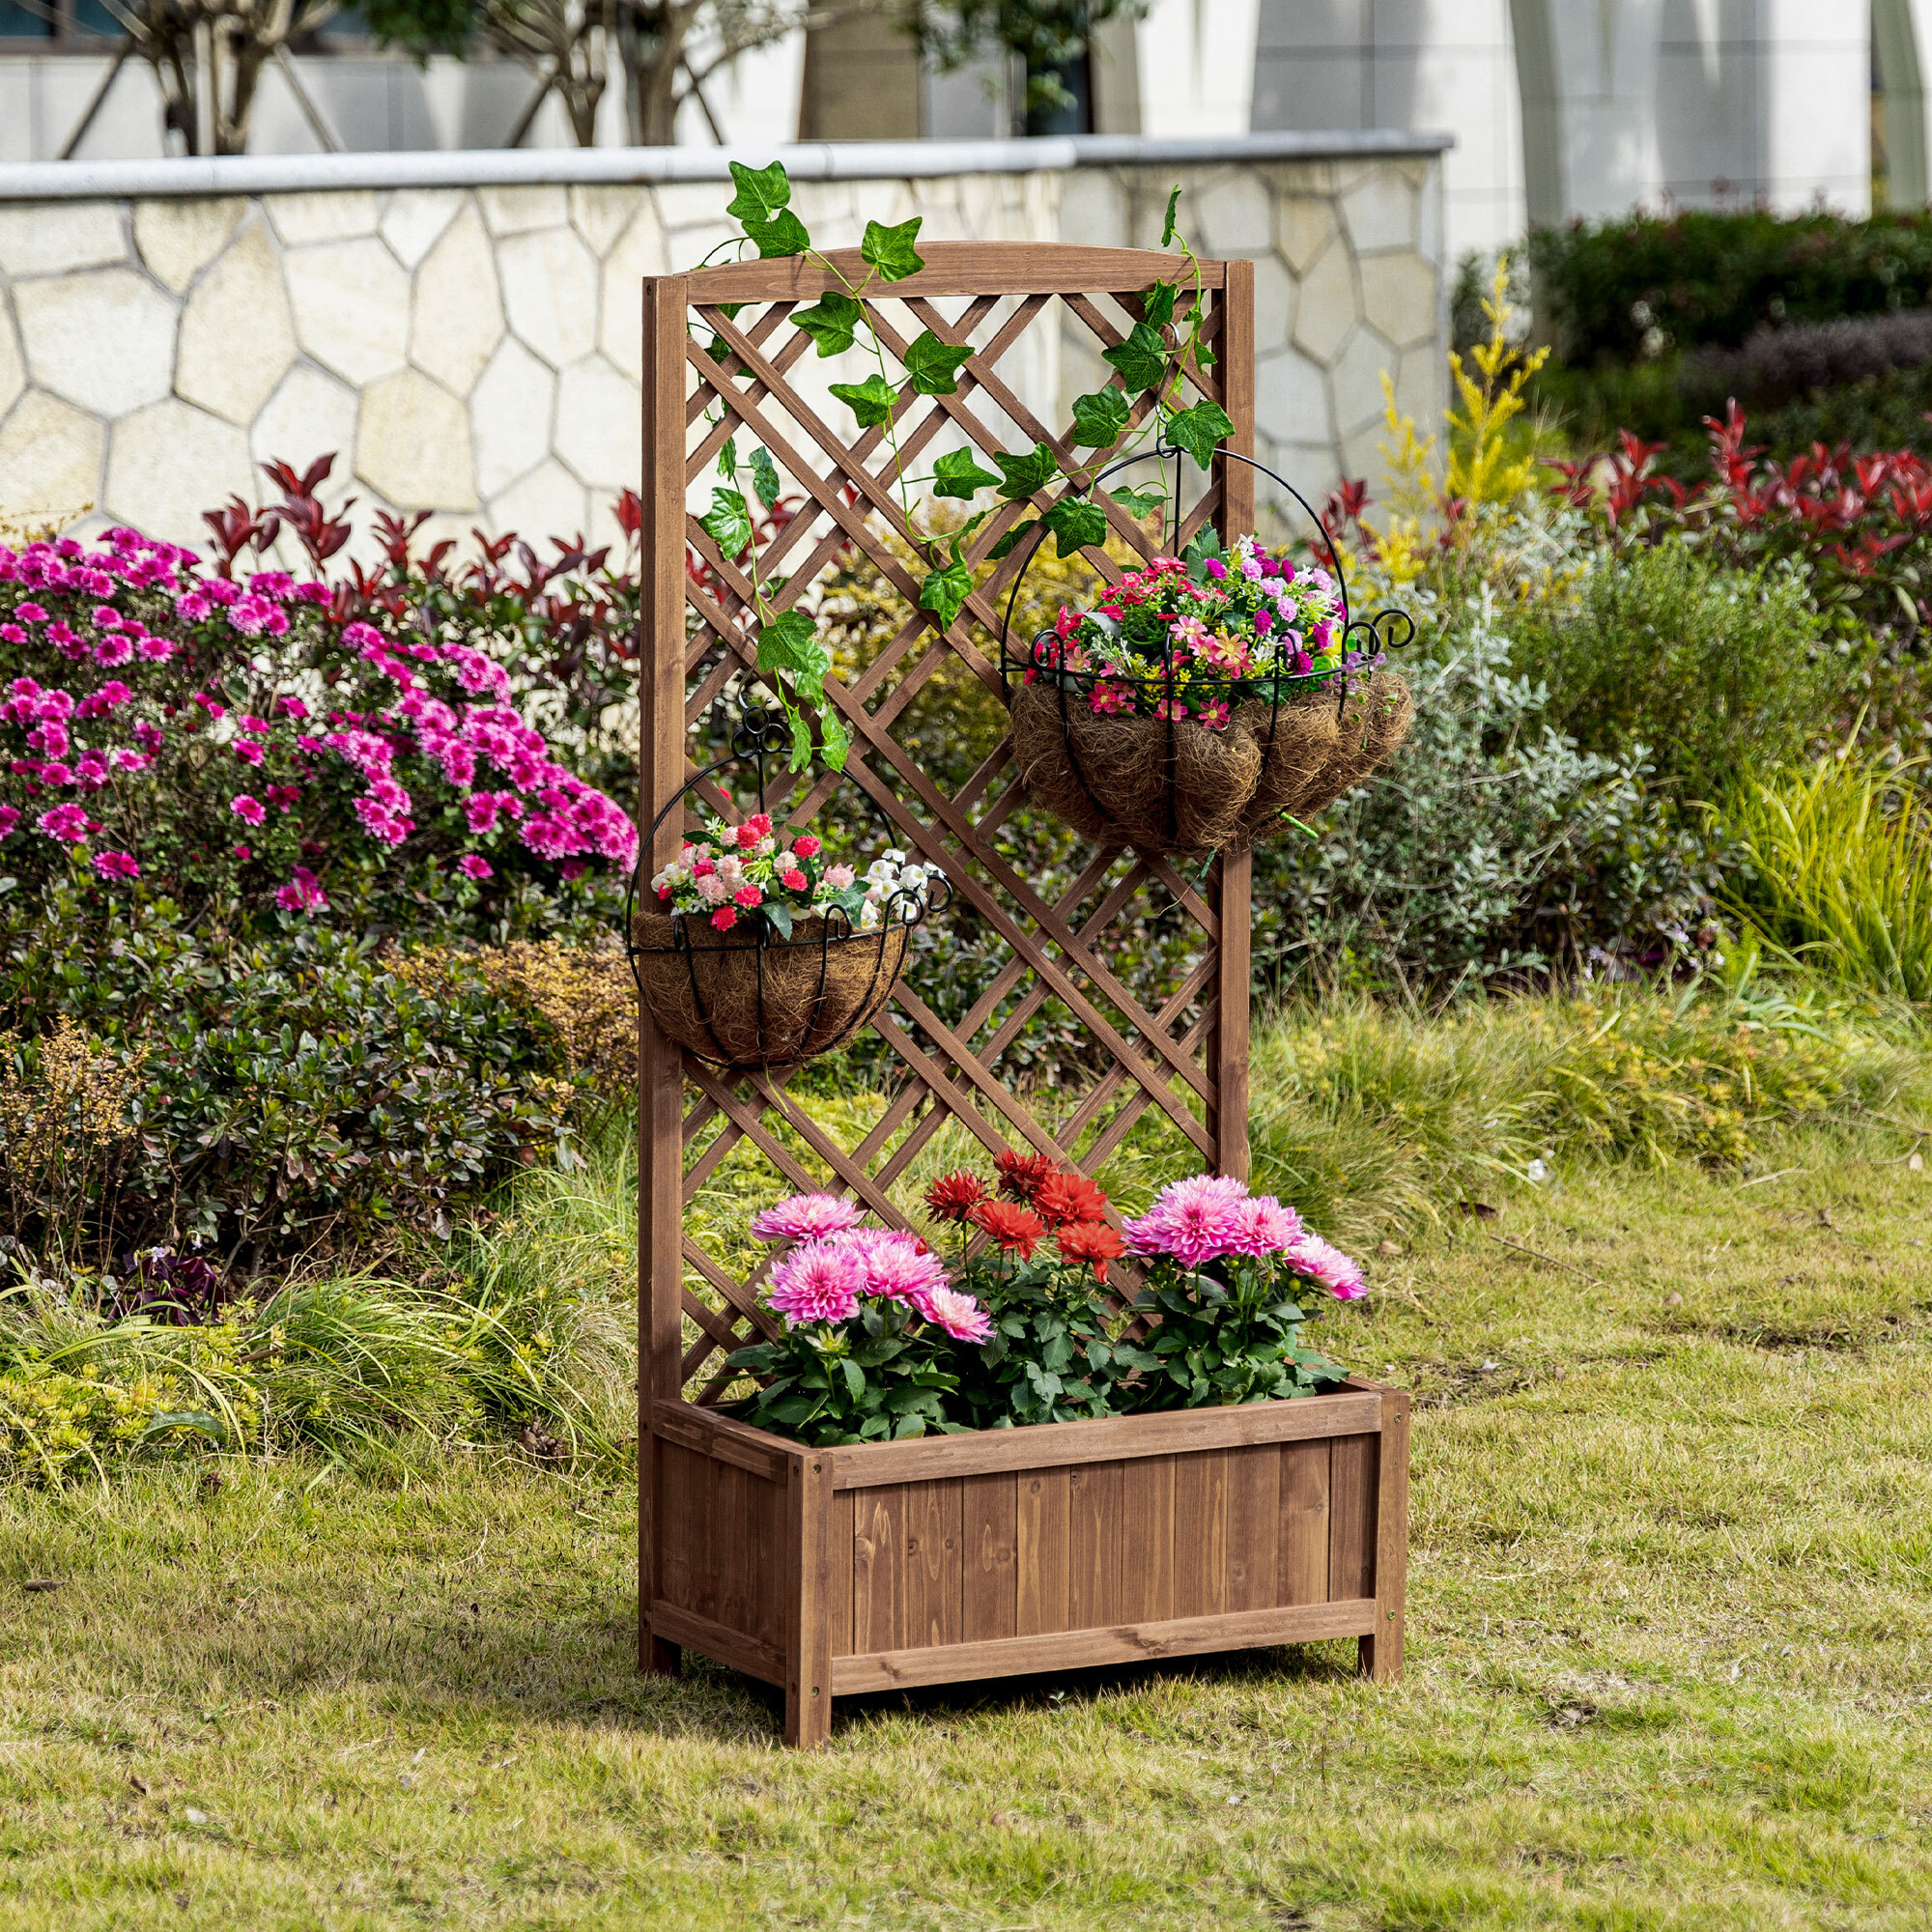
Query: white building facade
point(1558, 108)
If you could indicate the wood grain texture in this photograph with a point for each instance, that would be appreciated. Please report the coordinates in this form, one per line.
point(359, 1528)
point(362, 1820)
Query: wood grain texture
point(838, 1606)
point(659, 1083)
point(1254, 1509)
point(878, 1587)
point(1201, 1533)
point(1123, 1643)
point(931, 1564)
point(1144, 1534)
point(806, 1575)
point(1094, 1515)
point(1351, 1516)
point(989, 1540)
point(1301, 1569)
point(1067, 1442)
point(1381, 1653)
point(953, 269)
point(1043, 1543)
point(730, 1647)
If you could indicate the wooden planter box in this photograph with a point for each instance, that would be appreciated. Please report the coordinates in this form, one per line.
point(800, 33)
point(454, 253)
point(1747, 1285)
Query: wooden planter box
point(832, 1572)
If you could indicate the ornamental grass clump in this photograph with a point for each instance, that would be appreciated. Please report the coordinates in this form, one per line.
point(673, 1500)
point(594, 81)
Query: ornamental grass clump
point(882, 1340)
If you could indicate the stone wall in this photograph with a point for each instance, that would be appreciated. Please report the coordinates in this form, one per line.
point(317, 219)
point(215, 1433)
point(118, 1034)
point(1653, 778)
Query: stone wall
point(468, 341)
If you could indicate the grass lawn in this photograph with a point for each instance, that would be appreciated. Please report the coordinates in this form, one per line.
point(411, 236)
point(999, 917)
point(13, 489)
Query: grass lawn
point(1670, 1656)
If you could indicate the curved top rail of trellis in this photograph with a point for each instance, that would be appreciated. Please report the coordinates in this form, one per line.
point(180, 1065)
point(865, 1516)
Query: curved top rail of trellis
point(1179, 1047)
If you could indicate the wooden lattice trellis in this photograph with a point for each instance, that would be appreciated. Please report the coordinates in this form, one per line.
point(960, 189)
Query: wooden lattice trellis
point(1186, 1057)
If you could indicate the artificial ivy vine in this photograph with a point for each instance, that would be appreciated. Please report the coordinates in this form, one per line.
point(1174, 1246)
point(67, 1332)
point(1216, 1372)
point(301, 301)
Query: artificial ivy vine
point(1152, 359)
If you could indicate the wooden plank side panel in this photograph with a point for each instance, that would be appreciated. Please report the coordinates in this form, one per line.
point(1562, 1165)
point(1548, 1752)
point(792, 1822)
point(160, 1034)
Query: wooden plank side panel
point(1041, 1550)
point(879, 1594)
point(680, 1513)
point(1351, 1516)
point(989, 1539)
point(1144, 1532)
point(929, 1565)
point(1181, 1432)
point(1254, 1509)
point(838, 1600)
point(1201, 1534)
point(1117, 1643)
point(1094, 1515)
point(1302, 1559)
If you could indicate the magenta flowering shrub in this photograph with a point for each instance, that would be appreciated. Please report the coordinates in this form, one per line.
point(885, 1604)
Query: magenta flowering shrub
point(240, 748)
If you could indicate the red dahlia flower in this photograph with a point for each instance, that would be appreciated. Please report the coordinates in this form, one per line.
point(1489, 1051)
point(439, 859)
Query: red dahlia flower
point(1016, 1230)
point(955, 1196)
point(1062, 1198)
point(1020, 1174)
point(1091, 1241)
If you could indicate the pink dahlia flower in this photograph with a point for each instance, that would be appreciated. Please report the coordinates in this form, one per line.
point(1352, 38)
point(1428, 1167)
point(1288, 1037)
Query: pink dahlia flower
point(959, 1314)
point(896, 1267)
point(1264, 1226)
point(819, 1282)
point(1313, 1256)
point(807, 1217)
point(1192, 1220)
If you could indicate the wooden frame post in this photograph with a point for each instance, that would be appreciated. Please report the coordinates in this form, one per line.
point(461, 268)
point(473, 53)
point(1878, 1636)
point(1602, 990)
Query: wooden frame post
point(1379, 1656)
point(660, 1062)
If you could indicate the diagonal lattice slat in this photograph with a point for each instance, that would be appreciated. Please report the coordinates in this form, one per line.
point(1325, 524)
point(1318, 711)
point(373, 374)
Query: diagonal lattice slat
point(1179, 1054)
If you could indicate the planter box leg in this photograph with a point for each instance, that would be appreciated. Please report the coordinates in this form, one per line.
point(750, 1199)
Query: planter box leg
point(1380, 1657)
point(807, 1587)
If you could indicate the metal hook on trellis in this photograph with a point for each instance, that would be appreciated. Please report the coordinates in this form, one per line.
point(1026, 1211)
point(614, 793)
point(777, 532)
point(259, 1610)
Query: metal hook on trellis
point(827, 991)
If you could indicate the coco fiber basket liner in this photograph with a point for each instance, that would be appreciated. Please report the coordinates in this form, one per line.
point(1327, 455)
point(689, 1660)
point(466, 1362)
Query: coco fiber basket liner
point(1178, 787)
point(746, 998)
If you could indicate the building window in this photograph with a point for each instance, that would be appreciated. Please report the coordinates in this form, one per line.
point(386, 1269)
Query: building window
point(33, 26)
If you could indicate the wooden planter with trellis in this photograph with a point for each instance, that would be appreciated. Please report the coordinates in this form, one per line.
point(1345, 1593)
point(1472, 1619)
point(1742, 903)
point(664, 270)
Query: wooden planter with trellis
point(838, 1570)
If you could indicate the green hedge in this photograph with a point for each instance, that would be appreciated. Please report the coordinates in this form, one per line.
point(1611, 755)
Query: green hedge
point(1707, 279)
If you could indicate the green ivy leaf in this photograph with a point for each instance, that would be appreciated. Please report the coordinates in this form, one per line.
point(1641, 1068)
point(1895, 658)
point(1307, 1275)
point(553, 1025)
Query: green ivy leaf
point(872, 401)
point(831, 322)
point(1141, 359)
point(1099, 419)
point(727, 522)
point(1024, 474)
point(835, 740)
point(728, 459)
point(1157, 307)
point(790, 644)
point(945, 592)
point(1204, 544)
point(761, 192)
point(779, 916)
point(1138, 502)
point(765, 478)
point(1198, 430)
point(1167, 226)
point(933, 365)
point(782, 236)
point(958, 473)
point(1075, 523)
point(1013, 538)
point(891, 250)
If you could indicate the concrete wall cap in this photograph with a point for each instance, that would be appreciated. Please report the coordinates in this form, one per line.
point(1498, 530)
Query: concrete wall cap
point(817, 160)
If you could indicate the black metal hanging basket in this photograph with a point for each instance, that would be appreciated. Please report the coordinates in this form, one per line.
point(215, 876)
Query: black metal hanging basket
point(1163, 783)
point(748, 997)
